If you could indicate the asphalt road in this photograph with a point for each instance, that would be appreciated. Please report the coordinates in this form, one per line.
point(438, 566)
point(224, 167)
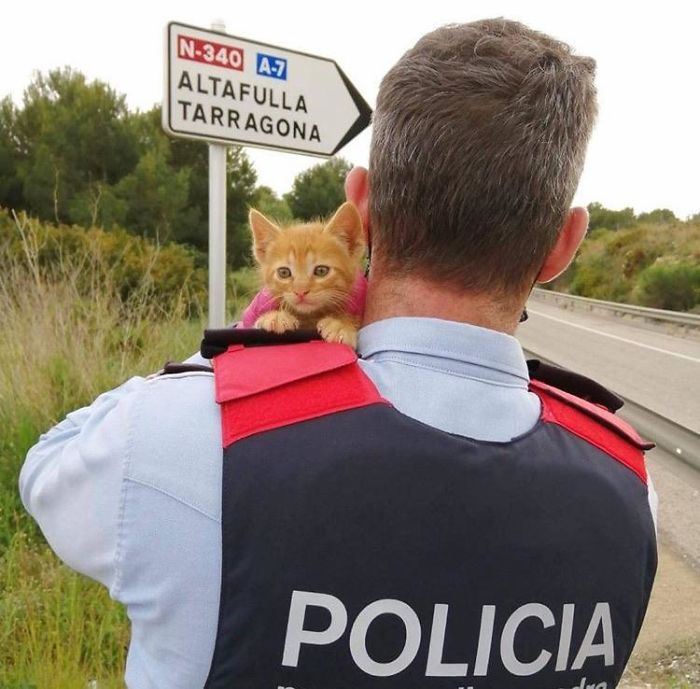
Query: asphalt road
point(662, 373)
point(659, 371)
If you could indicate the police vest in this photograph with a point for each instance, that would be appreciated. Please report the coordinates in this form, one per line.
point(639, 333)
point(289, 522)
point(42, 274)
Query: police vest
point(363, 548)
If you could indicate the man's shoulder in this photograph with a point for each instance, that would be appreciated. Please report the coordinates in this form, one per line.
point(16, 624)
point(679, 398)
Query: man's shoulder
point(175, 439)
point(595, 423)
point(178, 390)
point(177, 398)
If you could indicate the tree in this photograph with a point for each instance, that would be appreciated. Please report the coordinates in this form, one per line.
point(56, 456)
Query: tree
point(176, 171)
point(71, 137)
point(74, 153)
point(240, 191)
point(610, 219)
point(659, 216)
point(318, 191)
point(269, 204)
point(10, 184)
point(100, 205)
point(191, 228)
point(154, 195)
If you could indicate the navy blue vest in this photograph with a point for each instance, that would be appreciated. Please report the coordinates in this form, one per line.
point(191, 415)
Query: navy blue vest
point(362, 548)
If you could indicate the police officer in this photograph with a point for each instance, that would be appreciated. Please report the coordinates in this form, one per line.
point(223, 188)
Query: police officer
point(425, 515)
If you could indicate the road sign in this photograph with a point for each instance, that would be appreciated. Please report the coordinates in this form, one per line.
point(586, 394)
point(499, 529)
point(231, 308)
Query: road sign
point(224, 89)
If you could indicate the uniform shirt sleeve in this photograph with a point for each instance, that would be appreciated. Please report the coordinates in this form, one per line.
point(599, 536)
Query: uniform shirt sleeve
point(197, 359)
point(71, 481)
point(653, 501)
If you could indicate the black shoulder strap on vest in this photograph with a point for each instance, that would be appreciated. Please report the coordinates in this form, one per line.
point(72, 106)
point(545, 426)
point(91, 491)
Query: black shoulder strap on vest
point(217, 341)
point(172, 367)
point(574, 383)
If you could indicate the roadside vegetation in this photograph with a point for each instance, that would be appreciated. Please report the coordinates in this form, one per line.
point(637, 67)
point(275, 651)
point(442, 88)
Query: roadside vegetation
point(74, 325)
point(82, 311)
point(674, 667)
point(651, 260)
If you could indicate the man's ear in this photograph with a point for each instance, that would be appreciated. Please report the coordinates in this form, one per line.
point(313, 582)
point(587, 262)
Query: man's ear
point(357, 191)
point(570, 237)
point(346, 225)
point(264, 232)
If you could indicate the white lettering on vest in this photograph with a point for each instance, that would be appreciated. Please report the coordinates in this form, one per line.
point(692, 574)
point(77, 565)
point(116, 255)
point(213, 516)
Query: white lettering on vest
point(297, 635)
point(511, 663)
point(435, 667)
point(358, 637)
point(567, 627)
point(483, 649)
point(600, 618)
point(597, 641)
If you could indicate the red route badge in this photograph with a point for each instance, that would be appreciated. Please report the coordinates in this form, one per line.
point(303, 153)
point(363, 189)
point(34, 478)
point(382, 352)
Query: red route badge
point(209, 53)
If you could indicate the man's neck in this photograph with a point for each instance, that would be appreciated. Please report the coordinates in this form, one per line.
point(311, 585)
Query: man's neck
point(391, 297)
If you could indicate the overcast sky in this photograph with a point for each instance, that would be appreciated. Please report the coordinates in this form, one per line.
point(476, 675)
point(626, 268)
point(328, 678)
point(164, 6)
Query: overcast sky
point(645, 150)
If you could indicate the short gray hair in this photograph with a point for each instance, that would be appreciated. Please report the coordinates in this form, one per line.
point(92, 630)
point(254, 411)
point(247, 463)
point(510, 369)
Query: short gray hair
point(479, 138)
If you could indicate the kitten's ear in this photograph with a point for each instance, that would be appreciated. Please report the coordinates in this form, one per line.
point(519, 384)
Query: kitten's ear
point(264, 232)
point(346, 225)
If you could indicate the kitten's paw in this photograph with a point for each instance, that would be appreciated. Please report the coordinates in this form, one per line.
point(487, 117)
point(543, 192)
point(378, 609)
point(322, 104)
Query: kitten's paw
point(277, 322)
point(337, 330)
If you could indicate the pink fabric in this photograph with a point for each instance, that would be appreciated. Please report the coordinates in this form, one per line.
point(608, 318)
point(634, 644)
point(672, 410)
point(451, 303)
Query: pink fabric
point(264, 302)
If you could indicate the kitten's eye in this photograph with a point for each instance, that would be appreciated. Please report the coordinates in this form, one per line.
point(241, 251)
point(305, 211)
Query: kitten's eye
point(284, 273)
point(321, 271)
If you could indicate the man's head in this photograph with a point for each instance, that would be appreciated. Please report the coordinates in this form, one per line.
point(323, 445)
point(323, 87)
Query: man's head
point(479, 138)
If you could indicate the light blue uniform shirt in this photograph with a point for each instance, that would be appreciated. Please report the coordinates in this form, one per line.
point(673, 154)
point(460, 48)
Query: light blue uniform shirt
point(128, 490)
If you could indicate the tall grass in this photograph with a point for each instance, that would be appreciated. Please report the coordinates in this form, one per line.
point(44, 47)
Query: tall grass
point(67, 335)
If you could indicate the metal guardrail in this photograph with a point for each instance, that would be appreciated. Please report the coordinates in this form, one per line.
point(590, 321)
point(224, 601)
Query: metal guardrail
point(678, 440)
point(688, 321)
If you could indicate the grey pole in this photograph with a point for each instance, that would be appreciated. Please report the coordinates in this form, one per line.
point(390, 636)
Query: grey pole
point(217, 226)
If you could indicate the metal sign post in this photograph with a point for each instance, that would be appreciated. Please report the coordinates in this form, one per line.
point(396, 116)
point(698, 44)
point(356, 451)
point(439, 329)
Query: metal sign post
point(217, 235)
point(229, 90)
point(217, 227)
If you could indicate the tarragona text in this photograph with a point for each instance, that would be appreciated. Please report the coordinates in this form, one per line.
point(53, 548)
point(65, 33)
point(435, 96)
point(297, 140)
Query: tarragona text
point(286, 124)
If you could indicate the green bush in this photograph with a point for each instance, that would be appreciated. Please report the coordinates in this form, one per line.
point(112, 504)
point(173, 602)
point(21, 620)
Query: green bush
point(670, 285)
point(242, 286)
point(134, 266)
point(647, 264)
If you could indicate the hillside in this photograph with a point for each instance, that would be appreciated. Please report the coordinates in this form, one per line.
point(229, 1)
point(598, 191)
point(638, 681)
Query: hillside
point(649, 264)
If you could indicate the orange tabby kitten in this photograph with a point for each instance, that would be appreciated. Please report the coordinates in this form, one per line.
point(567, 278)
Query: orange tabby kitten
point(311, 271)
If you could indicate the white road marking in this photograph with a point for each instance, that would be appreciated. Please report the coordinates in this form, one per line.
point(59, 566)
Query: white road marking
point(614, 337)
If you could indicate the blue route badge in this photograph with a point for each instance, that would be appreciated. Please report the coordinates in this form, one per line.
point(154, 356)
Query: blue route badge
point(271, 66)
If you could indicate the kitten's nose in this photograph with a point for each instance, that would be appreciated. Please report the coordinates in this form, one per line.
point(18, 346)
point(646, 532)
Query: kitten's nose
point(301, 295)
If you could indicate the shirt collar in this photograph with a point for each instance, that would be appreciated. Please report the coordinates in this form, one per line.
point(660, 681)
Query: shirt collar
point(444, 340)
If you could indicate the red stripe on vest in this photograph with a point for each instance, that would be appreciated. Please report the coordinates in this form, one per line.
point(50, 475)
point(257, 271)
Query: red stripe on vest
point(262, 388)
point(595, 425)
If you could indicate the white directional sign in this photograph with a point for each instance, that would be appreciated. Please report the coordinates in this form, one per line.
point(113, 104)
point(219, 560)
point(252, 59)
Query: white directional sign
point(225, 89)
